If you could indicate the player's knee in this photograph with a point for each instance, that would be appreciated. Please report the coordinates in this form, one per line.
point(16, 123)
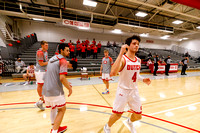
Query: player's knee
point(63, 109)
point(118, 116)
point(138, 117)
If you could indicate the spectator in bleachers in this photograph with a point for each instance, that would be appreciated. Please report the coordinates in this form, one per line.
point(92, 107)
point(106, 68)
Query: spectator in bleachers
point(20, 66)
point(99, 47)
point(92, 49)
point(70, 43)
point(94, 42)
point(114, 44)
point(83, 52)
point(29, 73)
point(187, 54)
point(88, 50)
point(78, 49)
point(156, 63)
point(74, 63)
point(78, 41)
point(167, 66)
point(108, 44)
point(87, 42)
point(72, 49)
point(95, 52)
point(184, 63)
point(149, 55)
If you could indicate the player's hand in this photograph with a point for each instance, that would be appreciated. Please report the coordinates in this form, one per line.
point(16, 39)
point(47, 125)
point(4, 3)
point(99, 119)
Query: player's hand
point(70, 91)
point(147, 81)
point(123, 48)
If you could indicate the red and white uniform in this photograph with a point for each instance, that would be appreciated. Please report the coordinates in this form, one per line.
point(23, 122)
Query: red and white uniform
point(127, 91)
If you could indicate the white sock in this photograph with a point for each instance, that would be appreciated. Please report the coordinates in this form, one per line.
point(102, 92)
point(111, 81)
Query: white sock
point(53, 115)
point(107, 126)
point(40, 102)
point(129, 120)
point(54, 131)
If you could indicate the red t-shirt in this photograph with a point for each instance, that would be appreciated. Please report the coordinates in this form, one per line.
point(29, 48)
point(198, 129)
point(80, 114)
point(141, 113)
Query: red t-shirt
point(78, 47)
point(72, 48)
point(89, 48)
point(99, 45)
point(95, 49)
point(94, 42)
point(77, 42)
point(83, 48)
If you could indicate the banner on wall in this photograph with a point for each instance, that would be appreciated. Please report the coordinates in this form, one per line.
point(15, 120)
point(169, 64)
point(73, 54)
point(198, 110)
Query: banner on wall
point(68, 22)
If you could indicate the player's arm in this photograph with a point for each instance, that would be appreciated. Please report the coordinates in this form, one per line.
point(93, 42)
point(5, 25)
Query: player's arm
point(40, 57)
point(101, 69)
point(65, 82)
point(145, 80)
point(120, 62)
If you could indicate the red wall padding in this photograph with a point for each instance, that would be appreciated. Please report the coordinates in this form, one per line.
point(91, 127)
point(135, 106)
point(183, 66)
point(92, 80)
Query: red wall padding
point(191, 3)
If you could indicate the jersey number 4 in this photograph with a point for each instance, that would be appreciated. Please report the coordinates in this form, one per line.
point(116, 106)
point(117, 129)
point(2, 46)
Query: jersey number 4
point(134, 77)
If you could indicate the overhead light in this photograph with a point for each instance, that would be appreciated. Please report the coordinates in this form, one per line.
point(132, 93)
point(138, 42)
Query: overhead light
point(89, 3)
point(38, 19)
point(144, 35)
point(177, 22)
point(165, 37)
point(117, 31)
point(185, 38)
point(84, 28)
point(141, 14)
point(198, 27)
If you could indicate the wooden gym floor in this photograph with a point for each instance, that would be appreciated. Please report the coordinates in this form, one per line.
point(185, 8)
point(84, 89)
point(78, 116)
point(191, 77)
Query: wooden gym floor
point(170, 105)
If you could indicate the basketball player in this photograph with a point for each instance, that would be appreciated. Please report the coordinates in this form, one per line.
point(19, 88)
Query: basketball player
point(29, 73)
point(127, 92)
point(105, 70)
point(41, 64)
point(53, 89)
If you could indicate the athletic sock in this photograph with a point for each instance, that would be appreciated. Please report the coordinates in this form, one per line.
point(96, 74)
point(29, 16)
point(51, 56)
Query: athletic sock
point(53, 115)
point(54, 131)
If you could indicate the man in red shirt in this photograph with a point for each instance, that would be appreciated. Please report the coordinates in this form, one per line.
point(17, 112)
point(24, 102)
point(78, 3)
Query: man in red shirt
point(70, 43)
point(87, 42)
point(72, 49)
point(83, 51)
point(99, 47)
point(78, 49)
point(88, 50)
point(94, 42)
point(95, 52)
point(77, 42)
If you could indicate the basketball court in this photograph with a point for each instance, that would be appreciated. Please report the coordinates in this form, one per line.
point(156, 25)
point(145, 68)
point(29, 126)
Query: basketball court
point(170, 105)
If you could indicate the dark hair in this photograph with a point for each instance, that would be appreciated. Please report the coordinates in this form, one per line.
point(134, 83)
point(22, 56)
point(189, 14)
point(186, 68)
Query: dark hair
point(62, 46)
point(31, 64)
point(129, 40)
point(43, 42)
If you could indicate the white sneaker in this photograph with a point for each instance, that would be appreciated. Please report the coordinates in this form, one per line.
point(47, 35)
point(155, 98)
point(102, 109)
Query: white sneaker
point(106, 129)
point(40, 106)
point(26, 83)
point(130, 125)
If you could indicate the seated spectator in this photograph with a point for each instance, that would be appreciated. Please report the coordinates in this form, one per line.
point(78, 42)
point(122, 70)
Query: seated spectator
point(20, 65)
point(108, 44)
point(149, 62)
point(114, 44)
point(74, 63)
point(29, 73)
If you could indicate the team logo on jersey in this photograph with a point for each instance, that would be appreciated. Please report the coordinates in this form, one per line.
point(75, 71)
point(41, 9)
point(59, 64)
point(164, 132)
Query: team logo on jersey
point(105, 62)
point(133, 67)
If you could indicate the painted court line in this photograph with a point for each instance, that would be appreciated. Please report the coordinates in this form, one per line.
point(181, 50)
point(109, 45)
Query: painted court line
point(173, 109)
point(173, 123)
